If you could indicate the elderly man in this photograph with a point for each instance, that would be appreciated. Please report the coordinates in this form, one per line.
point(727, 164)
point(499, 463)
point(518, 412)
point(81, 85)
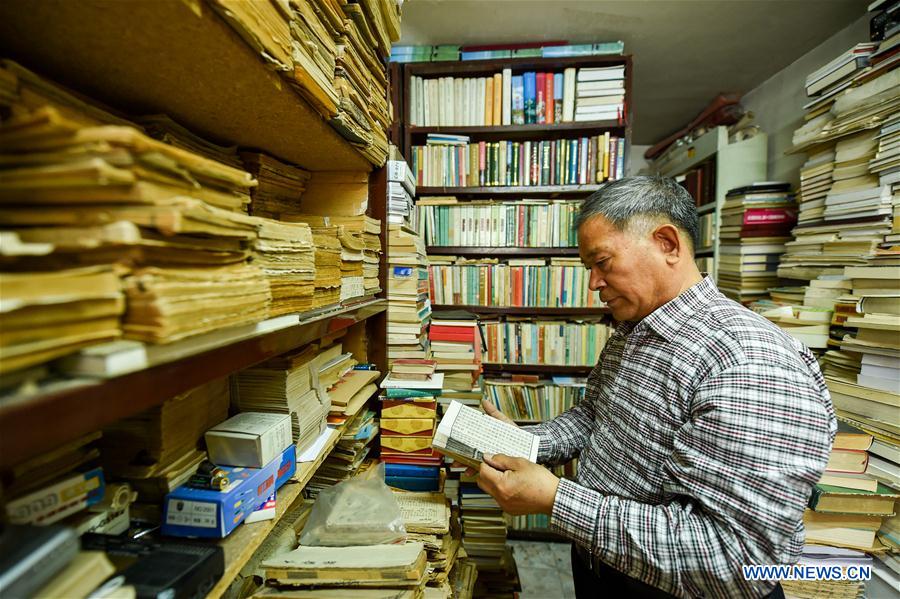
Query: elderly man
point(702, 431)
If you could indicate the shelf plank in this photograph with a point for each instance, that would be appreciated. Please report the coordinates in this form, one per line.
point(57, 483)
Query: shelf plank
point(176, 57)
point(494, 368)
point(521, 132)
point(504, 251)
point(516, 190)
point(524, 311)
point(34, 424)
point(241, 544)
point(495, 65)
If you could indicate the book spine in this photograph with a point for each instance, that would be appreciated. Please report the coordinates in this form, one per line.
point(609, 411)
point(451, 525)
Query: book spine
point(569, 95)
point(545, 163)
point(498, 100)
point(540, 98)
point(482, 163)
point(506, 117)
point(518, 100)
point(535, 163)
point(557, 97)
point(548, 98)
point(530, 97)
point(488, 102)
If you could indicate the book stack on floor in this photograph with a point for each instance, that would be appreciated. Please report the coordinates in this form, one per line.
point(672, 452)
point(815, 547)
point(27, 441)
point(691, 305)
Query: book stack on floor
point(536, 400)
point(159, 449)
point(484, 539)
point(408, 421)
point(456, 347)
point(350, 456)
point(428, 519)
point(815, 182)
point(409, 307)
point(809, 325)
point(756, 221)
point(451, 161)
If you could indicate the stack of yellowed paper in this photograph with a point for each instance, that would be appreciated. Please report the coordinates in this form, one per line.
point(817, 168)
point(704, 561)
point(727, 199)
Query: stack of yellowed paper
point(428, 519)
point(280, 185)
point(328, 266)
point(286, 254)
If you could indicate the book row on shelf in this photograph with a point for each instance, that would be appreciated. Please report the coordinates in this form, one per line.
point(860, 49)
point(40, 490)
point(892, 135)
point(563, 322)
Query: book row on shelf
point(449, 52)
point(563, 283)
point(537, 400)
point(517, 341)
point(444, 221)
point(545, 98)
point(826, 272)
point(452, 161)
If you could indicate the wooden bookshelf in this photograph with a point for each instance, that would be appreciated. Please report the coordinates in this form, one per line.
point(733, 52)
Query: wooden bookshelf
point(518, 252)
point(33, 424)
point(524, 311)
point(179, 58)
point(551, 369)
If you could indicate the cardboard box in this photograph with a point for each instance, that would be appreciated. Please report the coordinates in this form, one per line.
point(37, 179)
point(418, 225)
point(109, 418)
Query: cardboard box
point(250, 439)
point(205, 513)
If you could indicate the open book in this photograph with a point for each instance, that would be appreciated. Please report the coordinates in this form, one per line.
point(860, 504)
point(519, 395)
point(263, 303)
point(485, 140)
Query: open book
point(465, 434)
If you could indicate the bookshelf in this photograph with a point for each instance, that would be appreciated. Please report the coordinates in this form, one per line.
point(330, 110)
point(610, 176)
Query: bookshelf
point(183, 59)
point(734, 164)
point(520, 252)
point(549, 369)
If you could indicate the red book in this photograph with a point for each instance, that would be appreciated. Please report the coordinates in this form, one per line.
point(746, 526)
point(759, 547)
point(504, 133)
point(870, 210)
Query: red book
point(520, 241)
point(769, 216)
point(781, 231)
point(481, 163)
point(548, 97)
point(540, 109)
point(443, 333)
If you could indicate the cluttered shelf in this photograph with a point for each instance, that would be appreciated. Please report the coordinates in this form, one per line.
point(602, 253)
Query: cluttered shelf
point(38, 422)
point(186, 62)
point(494, 368)
point(518, 252)
point(515, 132)
point(510, 190)
point(240, 545)
point(524, 310)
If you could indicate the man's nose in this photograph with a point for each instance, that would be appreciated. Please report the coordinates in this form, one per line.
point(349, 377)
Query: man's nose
point(596, 282)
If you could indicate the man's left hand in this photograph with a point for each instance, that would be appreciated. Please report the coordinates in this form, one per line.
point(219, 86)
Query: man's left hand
point(518, 486)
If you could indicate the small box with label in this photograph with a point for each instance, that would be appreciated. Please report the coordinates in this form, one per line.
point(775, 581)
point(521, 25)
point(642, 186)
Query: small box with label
point(250, 439)
point(192, 512)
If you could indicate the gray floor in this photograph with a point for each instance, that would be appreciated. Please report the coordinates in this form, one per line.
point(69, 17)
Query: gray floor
point(545, 569)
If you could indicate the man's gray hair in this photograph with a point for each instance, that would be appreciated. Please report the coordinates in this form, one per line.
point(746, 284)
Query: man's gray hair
point(641, 202)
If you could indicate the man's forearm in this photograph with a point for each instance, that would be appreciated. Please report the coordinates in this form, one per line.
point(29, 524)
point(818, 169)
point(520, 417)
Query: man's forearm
point(563, 437)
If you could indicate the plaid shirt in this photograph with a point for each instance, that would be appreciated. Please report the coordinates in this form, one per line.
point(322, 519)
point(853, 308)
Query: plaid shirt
point(702, 432)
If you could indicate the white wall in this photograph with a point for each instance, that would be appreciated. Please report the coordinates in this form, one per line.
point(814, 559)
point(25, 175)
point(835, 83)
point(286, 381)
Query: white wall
point(778, 102)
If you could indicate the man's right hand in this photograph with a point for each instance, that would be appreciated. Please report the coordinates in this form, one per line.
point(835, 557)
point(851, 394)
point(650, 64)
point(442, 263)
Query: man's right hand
point(491, 410)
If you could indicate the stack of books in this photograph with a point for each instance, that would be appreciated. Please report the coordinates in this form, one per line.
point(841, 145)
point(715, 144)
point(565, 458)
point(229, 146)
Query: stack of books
point(167, 130)
point(456, 347)
point(327, 283)
point(815, 182)
point(351, 454)
point(280, 185)
point(599, 94)
point(825, 83)
point(452, 161)
point(563, 283)
point(495, 51)
point(401, 190)
point(160, 449)
point(289, 384)
point(445, 221)
point(439, 53)
point(286, 254)
point(409, 308)
point(756, 221)
point(408, 422)
point(522, 341)
point(428, 519)
point(535, 401)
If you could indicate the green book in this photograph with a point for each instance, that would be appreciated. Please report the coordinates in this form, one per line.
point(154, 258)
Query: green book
point(831, 499)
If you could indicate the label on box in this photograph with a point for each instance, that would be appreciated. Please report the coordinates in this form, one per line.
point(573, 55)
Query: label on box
point(191, 513)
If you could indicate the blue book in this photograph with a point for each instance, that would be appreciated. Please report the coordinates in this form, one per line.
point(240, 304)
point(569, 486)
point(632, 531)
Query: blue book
point(411, 471)
point(411, 483)
point(518, 100)
point(557, 98)
point(529, 81)
point(573, 161)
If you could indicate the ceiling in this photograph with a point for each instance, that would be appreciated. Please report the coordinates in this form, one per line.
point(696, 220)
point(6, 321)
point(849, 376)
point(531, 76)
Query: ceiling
point(685, 51)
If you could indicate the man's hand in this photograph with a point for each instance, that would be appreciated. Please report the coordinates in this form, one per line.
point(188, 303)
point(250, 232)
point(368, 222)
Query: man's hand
point(518, 486)
point(491, 410)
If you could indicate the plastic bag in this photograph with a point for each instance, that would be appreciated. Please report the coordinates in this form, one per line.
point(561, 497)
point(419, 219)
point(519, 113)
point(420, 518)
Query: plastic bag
point(358, 511)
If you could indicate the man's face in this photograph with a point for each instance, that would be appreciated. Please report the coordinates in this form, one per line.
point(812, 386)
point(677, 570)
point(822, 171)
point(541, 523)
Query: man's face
point(626, 268)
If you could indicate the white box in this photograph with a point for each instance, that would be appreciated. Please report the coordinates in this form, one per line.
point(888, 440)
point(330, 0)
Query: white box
point(250, 439)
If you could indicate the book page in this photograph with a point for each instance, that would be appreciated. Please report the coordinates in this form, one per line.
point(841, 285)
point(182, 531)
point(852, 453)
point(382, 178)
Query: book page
point(424, 512)
point(466, 433)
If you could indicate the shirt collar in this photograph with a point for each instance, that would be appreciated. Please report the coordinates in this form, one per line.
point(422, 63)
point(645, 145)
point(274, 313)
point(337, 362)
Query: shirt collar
point(668, 319)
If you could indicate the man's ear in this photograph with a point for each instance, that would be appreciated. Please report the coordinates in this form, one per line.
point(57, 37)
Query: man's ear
point(668, 240)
